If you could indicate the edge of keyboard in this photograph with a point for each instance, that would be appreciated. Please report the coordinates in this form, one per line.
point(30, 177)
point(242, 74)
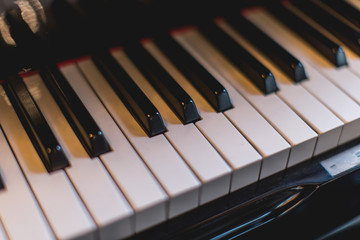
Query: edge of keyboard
point(305, 185)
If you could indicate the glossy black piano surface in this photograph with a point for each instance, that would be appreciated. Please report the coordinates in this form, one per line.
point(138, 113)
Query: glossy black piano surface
point(312, 198)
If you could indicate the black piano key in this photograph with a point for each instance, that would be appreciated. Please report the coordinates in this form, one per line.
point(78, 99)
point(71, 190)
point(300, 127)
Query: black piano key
point(206, 84)
point(344, 9)
point(178, 100)
point(34, 123)
point(86, 129)
point(339, 29)
point(135, 100)
point(325, 46)
point(241, 58)
point(282, 58)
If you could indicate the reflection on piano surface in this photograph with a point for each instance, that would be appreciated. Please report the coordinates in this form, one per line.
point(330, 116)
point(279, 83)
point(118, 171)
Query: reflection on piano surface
point(168, 120)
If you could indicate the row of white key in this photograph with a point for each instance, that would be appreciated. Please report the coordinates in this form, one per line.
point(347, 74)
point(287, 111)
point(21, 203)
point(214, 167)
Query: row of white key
point(202, 158)
point(168, 167)
point(89, 177)
point(131, 174)
point(332, 114)
point(241, 157)
point(299, 135)
point(344, 107)
point(244, 117)
point(320, 118)
point(93, 190)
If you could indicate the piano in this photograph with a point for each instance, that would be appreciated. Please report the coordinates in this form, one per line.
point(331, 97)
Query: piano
point(155, 119)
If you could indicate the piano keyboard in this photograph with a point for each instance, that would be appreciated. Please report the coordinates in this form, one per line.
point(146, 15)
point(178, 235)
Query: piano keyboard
point(144, 181)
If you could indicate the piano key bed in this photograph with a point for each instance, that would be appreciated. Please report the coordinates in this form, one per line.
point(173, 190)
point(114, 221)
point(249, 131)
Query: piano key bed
point(208, 131)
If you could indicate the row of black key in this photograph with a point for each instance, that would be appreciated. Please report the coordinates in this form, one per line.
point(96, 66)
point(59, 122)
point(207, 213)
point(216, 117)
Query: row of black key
point(325, 46)
point(204, 82)
point(282, 58)
point(242, 59)
point(138, 104)
point(39, 132)
point(344, 32)
point(178, 100)
point(134, 99)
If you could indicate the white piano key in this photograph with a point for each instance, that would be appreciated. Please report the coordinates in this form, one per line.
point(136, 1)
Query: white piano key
point(206, 163)
point(353, 61)
point(341, 105)
point(58, 199)
point(267, 141)
point(130, 173)
point(90, 178)
point(301, 137)
point(176, 178)
point(242, 157)
point(20, 214)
